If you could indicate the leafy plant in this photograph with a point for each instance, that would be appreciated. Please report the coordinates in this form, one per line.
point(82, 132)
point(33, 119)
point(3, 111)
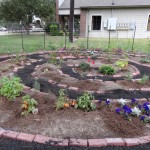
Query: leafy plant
point(61, 100)
point(84, 66)
point(29, 105)
point(129, 77)
point(144, 79)
point(53, 58)
point(61, 33)
point(122, 63)
point(145, 60)
point(36, 85)
point(107, 70)
point(54, 30)
point(94, 57)
point(11, 87)
point(85, 102)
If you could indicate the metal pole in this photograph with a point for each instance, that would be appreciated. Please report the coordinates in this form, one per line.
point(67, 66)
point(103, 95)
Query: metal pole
point(88, 38)
point(109, 40)
point(22, 37)
point(71, 21)
point(44, 34)
point(133, 38)
point(65, 39)
point(44, 39)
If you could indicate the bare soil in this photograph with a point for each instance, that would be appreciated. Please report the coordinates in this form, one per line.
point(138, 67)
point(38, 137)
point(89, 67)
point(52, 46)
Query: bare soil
point(71, 122)
point(68, 123)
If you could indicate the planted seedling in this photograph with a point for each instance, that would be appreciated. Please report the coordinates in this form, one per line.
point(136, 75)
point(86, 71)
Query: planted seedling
point(85, 103)
point(29, 105)
point(144, 79)
point(62, 100)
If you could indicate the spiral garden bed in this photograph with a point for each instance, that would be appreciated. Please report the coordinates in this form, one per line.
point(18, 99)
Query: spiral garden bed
point(69, 122)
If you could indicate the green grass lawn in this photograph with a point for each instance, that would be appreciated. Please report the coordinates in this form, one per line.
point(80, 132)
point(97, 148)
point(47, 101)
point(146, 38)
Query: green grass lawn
point(13, 43)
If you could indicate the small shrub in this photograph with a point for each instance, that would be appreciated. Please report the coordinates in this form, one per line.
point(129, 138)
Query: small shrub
point(36, 85)
point(61, 100)
point(53, 59)
point(144, 79)
point(85, 102)
point(29, 105)
point(107, 70)
point(54, 30)
point(122, 63)
point(94, 57)
point(145, 60)
point(11, 87)
point(61, 33)
point(129, 77)
point(118, 51)
point(84, 66)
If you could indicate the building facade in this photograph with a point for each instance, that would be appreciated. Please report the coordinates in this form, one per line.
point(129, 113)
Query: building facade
point(100, 18)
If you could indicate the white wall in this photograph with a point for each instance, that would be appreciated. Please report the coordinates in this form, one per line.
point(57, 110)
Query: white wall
point(67, 12)
point(139, 16)
point(60, 2)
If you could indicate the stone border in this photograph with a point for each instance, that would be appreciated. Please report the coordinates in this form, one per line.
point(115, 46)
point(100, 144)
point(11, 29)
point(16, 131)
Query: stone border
point(74, 142)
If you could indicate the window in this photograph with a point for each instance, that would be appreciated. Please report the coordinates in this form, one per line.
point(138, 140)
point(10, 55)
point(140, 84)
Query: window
point(96, 22)
point(148, 24)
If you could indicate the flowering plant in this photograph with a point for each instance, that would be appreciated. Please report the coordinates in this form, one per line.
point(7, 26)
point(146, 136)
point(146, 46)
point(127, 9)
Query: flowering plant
point(108, 103)
point(136, 111)
point(134, 101)
point(122, 101)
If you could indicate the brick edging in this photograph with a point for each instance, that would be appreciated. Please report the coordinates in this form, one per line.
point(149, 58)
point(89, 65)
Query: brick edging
point(102, 142)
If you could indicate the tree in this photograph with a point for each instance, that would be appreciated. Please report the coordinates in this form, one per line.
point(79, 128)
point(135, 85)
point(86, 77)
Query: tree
point(24, 10)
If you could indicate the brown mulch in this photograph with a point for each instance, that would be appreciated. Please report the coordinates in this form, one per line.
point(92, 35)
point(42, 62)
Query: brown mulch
point(75, 123)
point(135, 85)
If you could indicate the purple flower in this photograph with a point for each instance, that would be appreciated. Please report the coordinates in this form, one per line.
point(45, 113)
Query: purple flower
point(107, 102)
point(147, 113)
point(100, 100)
point(127, 110)
point(142, 118)
point(118, 110)
point(146, 103)
point(140, 107)
point(134, 101)
point(146, 108)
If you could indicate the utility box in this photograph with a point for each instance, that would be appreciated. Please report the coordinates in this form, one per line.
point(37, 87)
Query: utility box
point(105, 23)
point(112, 24)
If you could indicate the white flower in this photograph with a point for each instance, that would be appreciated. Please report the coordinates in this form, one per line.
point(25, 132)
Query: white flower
point(136, 111)
point(148, 106)
point(122, 101)
point(35, 111)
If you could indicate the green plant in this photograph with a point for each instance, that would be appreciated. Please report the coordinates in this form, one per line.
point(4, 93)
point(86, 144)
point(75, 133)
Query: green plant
point(94, 57)
point(145, 60)
point(122, 63)
point(129, 77)
point(84, 66)
point(36, 85)
point(29, 105)
point(61, 100)
point(11, 87)
point(144, 79)
point(54, 30)
point(53, 58)
point(85, 102)
point(107, 70)
point(61, 33)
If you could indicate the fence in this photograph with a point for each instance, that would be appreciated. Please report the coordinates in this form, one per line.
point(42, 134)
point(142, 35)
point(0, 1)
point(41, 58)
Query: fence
point(53, 37)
